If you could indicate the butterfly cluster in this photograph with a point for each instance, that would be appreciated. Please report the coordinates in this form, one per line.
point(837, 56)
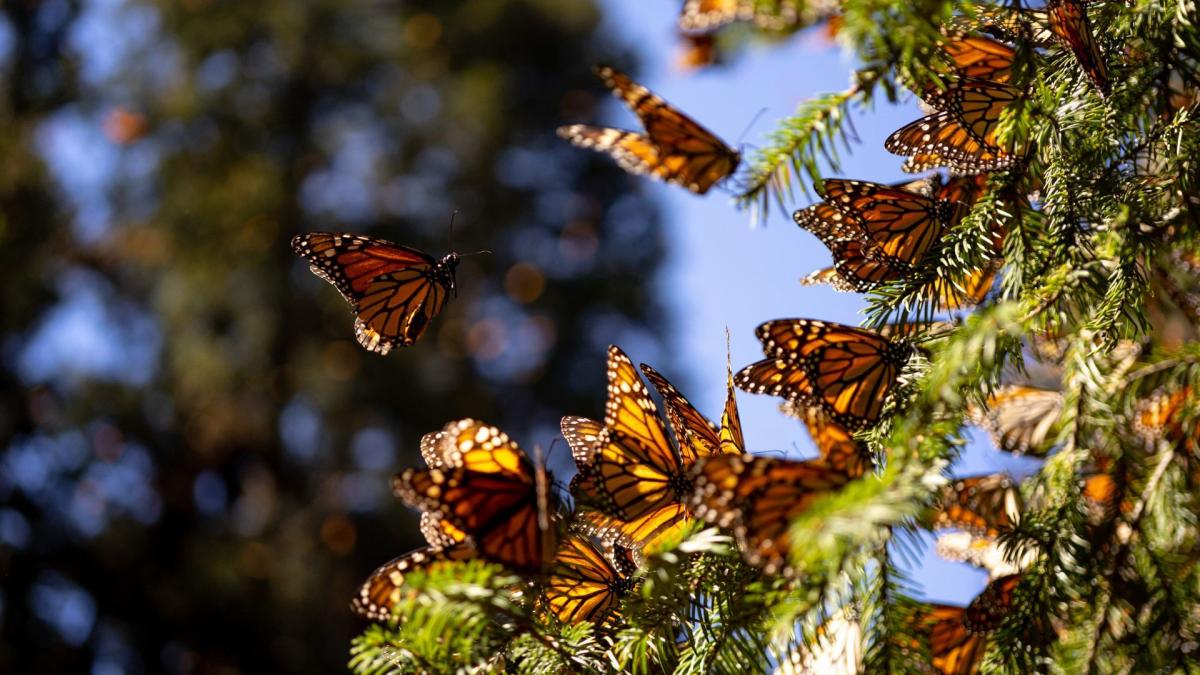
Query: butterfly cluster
point(647, 469)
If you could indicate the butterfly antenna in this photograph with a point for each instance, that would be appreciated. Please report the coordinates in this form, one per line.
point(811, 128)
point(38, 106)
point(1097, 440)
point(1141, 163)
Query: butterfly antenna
point(451, 242)
point(742, 136)
point(480, 252)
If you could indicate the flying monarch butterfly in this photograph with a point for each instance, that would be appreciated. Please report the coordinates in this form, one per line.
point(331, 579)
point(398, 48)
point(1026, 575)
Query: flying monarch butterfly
point(395, 290)
point(1068, 20)
point(983, 505)
point(1020, 419)
point(847, 371)
point(674, 148)
point(705, 16)
point(758, 497)
point(384, 589)
point(584, 584)
point(836, 447)
point(628, 469)
point(962, 134)
point(486, 488)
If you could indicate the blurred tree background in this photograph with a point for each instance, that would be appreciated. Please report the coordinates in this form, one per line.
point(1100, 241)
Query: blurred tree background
point(196, 454)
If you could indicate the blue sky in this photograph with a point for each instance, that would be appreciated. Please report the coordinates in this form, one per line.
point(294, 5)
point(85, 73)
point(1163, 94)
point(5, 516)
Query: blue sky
point(723, 273)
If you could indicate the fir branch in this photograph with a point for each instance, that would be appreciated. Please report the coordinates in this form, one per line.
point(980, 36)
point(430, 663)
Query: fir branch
point(797, 149)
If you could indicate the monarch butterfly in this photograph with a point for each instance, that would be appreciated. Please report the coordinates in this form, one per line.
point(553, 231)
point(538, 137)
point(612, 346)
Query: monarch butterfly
point(674, 148)
point(1020, 419)
point(1160, 415)
point(847, 371)
point(989, 608)
point(962, 134)
point(395, 290)
point(704, 16)
point(628, 469)
point(384, 589)
point(979, 504)
point(857, 264)
point(1068, 20)
point(836, 448)
point(485, 487)
point(758, 497)
point(958, 635)
point(953, 650)
point(904, 224)
point(585, 585)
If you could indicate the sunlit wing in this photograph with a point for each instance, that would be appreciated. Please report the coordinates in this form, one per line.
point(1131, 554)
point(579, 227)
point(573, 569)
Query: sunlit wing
point(847, 371)
point(694, 433)
point(384, 589)
point(582, 584)
point(905, 225)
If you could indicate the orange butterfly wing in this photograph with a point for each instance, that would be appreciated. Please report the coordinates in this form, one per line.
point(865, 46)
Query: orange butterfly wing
point(953, 650)
point(695, 434)
point(582, 584)
point(989, 608)
point(847, 371)
point(1068, 21)
point(905, 225)
point(759, 497)
point(981, 58)
point(836, 447)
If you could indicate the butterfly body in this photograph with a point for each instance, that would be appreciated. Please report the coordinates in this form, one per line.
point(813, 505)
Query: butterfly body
point(394, 290)
point(674, 148)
